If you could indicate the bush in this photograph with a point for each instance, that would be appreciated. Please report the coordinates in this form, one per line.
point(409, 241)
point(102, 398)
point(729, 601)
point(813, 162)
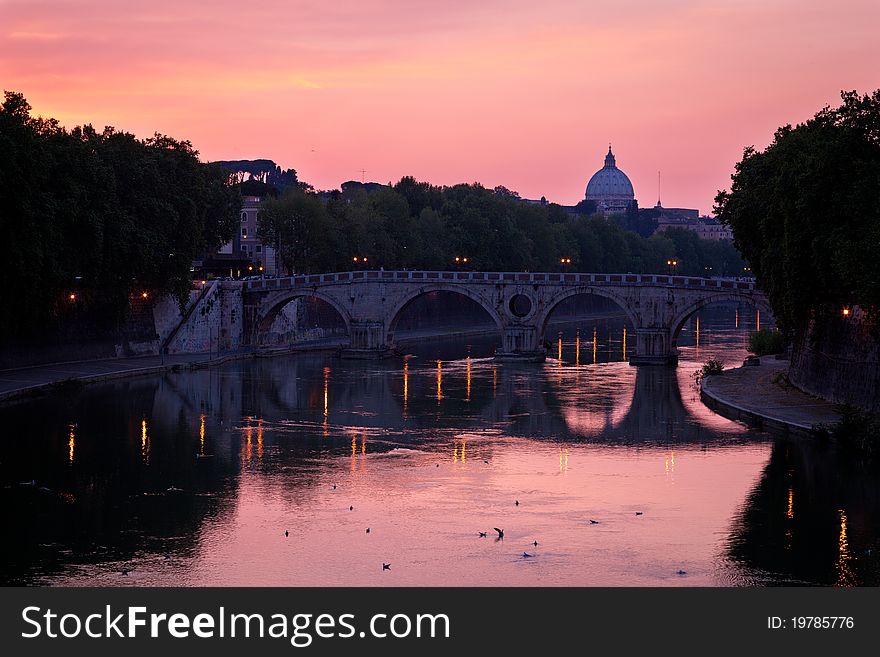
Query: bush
point(857, 429)
point(712, 367)
point(766, 342)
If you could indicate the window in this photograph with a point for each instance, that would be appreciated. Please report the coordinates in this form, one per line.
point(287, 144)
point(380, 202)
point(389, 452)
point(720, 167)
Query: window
point(243, 217)
point(244, 231)
point(259, 248)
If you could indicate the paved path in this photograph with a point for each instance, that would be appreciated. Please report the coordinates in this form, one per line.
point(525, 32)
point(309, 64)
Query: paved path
point(751, 394)
point(24, 379)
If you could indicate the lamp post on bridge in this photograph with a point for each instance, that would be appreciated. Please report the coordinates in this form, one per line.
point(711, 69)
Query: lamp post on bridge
point(672, 263)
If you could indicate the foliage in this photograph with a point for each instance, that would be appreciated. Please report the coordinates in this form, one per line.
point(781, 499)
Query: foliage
point(805, 212)
point(299, 227)
point(766, 342)
point(102, 213)
point(414, 224)
point(712, 367)
point(261, 171)
point(856, 429)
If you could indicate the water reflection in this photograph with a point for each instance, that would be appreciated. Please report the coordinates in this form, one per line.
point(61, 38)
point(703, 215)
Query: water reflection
point(812, 518)
point(71, 443)
point(209, 467)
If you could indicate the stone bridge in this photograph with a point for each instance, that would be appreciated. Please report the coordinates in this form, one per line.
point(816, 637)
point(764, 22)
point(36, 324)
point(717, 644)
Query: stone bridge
point(520, 304)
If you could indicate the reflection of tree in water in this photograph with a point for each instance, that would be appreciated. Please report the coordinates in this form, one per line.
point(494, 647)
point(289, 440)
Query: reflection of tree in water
point(102, 462)
point(813, 517)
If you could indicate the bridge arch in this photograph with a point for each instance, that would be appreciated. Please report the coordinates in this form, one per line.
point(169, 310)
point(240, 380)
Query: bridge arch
point(543, 317)
point(272, 306)
point(682, 316)
point(393, 315)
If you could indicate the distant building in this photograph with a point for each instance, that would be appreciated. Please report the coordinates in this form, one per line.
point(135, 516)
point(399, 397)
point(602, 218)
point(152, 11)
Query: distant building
point(610, 188)
point(707, 228)
point(249, 244)
point(675, 217)
point(245, 253)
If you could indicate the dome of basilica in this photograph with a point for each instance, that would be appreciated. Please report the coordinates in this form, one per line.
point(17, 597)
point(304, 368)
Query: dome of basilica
point(610, 187)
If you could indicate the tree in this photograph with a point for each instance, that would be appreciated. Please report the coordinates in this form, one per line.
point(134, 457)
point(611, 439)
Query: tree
point(102, 211)
point(805, 212)
point(299, 226)
point(586, 207)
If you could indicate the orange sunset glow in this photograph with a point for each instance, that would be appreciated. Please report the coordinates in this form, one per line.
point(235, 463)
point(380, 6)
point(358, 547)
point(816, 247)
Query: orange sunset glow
point(515, 93)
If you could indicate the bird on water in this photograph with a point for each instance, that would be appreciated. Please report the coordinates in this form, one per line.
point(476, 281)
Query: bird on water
point(386, 566)
point(526, 555)
point(594, 522)
point(482, 534)
point(500, 532)
point(286, 533)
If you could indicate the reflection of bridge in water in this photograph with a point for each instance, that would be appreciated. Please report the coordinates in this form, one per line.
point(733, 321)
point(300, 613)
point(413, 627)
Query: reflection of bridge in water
point(611, 402)
point(369, 304)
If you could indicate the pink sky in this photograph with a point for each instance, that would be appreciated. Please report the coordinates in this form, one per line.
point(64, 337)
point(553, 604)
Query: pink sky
point(520, 93)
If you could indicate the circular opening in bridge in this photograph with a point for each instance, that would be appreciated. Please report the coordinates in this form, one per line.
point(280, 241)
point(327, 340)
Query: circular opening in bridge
point(520, 305)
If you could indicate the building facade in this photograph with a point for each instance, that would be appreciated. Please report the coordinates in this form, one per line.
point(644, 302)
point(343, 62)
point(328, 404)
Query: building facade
point(250, 246)
point(245, 254)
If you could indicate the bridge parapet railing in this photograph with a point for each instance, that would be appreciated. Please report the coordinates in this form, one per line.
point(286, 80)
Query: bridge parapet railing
point(565, 278)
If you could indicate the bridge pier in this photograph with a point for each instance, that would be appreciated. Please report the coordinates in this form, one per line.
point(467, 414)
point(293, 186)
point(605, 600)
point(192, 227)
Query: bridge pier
point(653, 347)
point(520, 343)
point(367, 341)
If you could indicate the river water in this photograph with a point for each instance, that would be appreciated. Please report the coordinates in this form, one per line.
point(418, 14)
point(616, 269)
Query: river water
point(621, 475)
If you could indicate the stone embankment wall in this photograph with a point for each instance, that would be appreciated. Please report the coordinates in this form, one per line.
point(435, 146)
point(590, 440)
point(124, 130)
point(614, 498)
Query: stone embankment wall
point(199, 330)
point(839, 359)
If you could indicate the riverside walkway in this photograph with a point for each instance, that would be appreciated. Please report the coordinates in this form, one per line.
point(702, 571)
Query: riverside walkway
point(21, 381)
point(756, 396)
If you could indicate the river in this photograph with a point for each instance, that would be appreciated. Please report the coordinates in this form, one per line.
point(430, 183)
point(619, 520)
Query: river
point(308, 470)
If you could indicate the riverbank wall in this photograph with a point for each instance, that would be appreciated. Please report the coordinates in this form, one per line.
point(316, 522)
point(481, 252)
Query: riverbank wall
point(838, 359)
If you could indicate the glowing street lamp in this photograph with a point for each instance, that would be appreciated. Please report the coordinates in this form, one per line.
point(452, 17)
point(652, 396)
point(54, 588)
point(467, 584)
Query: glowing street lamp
point(72, 296)
point(144, 295)
point(845, 312)
point(672, 264)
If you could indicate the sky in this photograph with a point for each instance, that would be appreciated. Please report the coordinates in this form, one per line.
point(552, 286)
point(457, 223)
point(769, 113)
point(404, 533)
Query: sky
point(517, 93)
